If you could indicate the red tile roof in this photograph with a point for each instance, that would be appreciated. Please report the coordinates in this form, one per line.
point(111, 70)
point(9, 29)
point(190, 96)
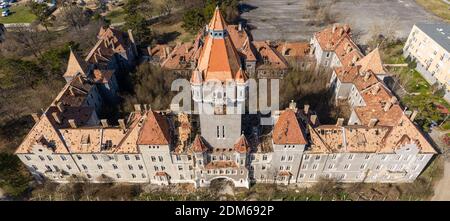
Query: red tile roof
point(242, 145)
point(287, 129)
point(155, 130)
point(198, 145)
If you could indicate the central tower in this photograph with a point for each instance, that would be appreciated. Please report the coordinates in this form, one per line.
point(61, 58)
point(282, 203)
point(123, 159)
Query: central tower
point(219, 86)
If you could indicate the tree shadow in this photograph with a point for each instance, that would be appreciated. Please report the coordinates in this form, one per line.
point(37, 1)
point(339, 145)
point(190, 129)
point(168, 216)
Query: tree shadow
point(167, 37)
point(244, 7)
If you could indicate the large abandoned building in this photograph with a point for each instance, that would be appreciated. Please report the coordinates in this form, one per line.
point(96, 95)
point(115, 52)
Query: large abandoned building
point(380, 143)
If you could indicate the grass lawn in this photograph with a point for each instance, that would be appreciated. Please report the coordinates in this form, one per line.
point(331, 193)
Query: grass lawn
point(437, 7)
point(19, 14)
point(116, 16)
point(421, 96)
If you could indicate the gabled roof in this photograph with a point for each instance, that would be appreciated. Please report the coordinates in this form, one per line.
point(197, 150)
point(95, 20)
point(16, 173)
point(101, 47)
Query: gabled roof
point(198, 146)
point(287, 130)
point(372, 61)
point(241, 145)
point(75, 65)
point(269, 56)
point(155, 130)
point(330, 37)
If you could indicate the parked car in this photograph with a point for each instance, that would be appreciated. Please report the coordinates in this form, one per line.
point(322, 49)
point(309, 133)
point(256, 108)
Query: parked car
point(5, 13)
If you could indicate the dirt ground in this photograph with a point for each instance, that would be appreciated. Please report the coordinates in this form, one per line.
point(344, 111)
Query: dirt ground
point(286, 19)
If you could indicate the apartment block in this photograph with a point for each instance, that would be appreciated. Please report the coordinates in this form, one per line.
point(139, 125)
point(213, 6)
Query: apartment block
point(429, 46)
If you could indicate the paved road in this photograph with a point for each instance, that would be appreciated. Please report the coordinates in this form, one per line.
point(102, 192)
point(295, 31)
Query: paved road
point(287, 19)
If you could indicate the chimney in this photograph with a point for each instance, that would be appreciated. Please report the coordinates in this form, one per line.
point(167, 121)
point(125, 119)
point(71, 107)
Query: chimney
point(408, 113)
point(71, 91)
point(373, 122)
point(366, 76)
point(35, 117)
point(394, 100)
point(122, 123)
point(375, 89)
point(56, 117)
point(334, 27)
point(149, 51)
point(349, 48)
point(355, 59)
point(387, 106)
point(341, 32)
point(137, 107)
point(240, 26)
point(284, 49)
point(72, 123)
point(293, 105)
point(413, 115)
point(313, 119)
point(104, 122)
point(340, 122)
point(167, 51)
point(60, 106)
point(306, 108)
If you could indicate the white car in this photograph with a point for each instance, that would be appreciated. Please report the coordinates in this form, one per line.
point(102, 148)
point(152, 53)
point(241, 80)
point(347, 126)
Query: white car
point(5, 13)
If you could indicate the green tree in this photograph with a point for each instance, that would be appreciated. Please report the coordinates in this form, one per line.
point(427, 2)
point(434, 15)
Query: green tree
point(40, 10)
point(193, 20)
point(137, 13)
point(14, 178)
point(138, 24)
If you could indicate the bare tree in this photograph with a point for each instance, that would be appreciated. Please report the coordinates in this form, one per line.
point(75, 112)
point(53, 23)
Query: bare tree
point(28, 38)
point(73, 16)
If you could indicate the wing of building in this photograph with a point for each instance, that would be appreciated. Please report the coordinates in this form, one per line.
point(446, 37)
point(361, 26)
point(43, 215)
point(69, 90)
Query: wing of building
point(379, 143)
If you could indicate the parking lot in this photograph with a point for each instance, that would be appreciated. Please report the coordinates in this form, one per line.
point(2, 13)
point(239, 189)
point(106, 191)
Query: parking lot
point(287, 19)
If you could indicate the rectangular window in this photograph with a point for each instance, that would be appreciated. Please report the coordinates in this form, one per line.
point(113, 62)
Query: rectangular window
point(115, 166)
point(127, 157)
point(264, 157)
point(315, 167)
point(347, 166)
point(63, 158)
point(317, 157)
point(99, 167)
point(283, 158)
point(156, 168)
point(137, 157)
point(223, 131)
point(68, 167)
point(27, 157)
point(160, 158)
point(140, 167)
point(94, 157)
point(218, 132)
point(180, 168)
point(153, 159)
point(130, 167)
point(49, 158)
point(290, 158)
